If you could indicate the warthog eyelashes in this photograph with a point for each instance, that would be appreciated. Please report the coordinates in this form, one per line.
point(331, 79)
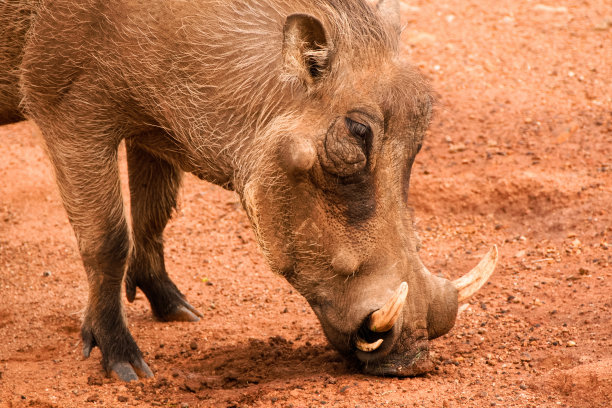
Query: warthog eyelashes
point(358, 129)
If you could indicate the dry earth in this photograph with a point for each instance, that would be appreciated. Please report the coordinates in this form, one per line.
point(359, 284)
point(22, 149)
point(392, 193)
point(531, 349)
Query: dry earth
point(520, 155)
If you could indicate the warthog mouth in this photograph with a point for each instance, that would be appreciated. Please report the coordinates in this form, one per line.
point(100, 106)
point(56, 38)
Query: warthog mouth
point(383, 323)
point(393, 352)
point(369, 344)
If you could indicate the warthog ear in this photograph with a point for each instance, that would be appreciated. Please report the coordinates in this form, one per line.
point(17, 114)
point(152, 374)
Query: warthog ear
point(305, 48)
point(390, 10)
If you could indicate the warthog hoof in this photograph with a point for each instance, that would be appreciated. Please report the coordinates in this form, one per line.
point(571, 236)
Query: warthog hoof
point(167, 302)
point(127, 372)
point(121, 357)
point(182, 313)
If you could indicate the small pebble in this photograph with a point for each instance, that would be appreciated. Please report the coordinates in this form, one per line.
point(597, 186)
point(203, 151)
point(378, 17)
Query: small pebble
point(603, 25)
point(46, 273)
point(571, 343)
point(456, 148)
point(550, 9)
point(94, 380)
point(520, 254)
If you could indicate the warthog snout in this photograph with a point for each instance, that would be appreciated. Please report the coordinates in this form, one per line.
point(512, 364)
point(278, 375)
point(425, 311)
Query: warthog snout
point(394, 338)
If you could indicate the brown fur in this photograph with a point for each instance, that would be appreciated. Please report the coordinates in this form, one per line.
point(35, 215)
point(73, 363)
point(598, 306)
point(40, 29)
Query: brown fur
point(14, 23)
point(221, 89)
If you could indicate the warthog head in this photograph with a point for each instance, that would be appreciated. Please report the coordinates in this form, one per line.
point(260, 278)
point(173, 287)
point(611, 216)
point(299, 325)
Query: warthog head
point(329, 200)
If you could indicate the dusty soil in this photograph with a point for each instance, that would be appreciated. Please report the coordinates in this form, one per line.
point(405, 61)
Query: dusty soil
point(520, 155)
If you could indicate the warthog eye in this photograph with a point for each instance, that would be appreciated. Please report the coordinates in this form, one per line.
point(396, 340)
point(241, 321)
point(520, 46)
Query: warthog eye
point(358, 129)
point(344, 151)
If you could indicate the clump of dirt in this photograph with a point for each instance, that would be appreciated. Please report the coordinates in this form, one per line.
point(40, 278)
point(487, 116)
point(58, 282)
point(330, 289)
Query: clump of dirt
point(518, 156)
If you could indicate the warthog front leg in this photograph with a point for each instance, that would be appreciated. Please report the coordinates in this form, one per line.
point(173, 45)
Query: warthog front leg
point(88, 178)
point(154, 184)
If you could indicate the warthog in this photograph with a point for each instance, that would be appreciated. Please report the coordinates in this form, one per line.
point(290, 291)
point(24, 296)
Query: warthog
point(303, 107)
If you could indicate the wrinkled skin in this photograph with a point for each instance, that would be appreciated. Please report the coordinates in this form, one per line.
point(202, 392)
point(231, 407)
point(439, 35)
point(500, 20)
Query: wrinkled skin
point(304, 108)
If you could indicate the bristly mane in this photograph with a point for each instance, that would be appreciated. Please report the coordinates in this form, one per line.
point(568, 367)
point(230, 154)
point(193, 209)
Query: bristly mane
point(239, 53)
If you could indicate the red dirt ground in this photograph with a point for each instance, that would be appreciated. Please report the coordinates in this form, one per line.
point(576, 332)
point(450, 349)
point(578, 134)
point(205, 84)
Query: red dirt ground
point(520, 155)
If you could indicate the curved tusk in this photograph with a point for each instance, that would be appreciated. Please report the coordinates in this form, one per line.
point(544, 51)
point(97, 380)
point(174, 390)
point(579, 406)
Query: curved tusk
point(384, 318)
point(469, 283)
point(367, 347)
